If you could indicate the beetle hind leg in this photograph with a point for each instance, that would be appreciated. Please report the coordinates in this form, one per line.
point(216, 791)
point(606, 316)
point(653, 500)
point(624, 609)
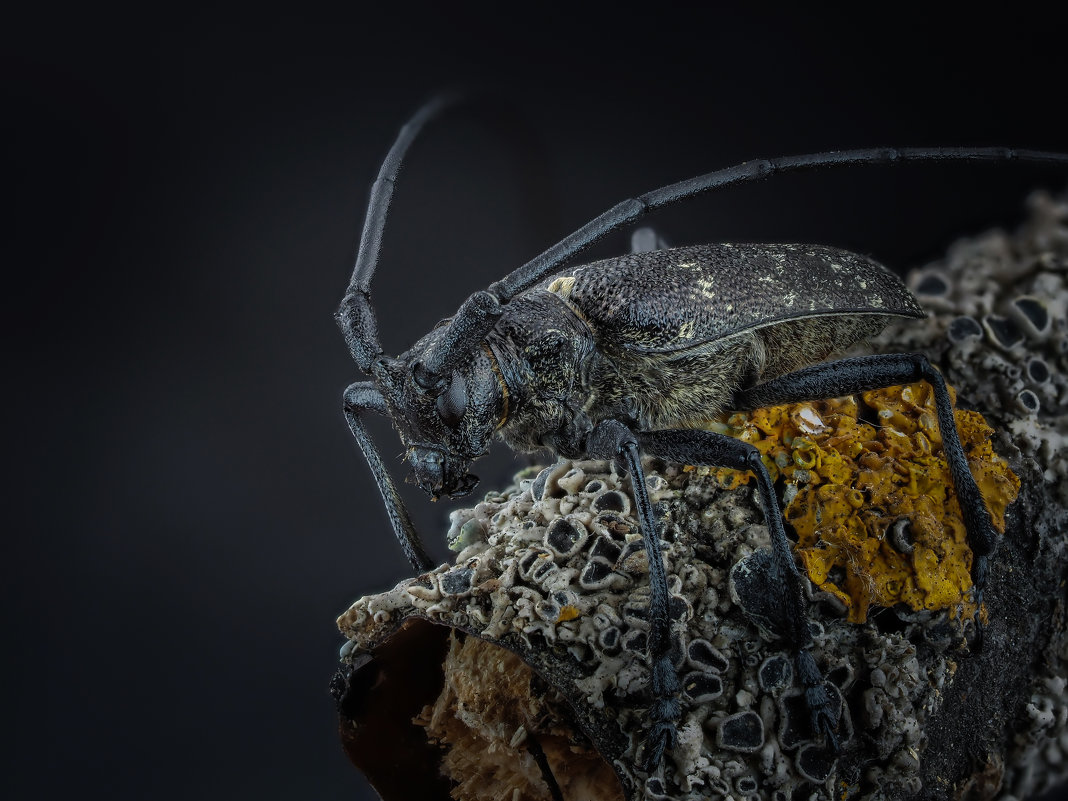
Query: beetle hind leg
point(864, 373)
point(823, 715)
point(780, 580)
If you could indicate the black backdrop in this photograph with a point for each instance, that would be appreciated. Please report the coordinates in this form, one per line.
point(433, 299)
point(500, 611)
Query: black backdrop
point(189, 514)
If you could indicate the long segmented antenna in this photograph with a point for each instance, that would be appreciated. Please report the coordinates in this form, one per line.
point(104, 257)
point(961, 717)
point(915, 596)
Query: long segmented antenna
point(355, 316)
point(479, 313)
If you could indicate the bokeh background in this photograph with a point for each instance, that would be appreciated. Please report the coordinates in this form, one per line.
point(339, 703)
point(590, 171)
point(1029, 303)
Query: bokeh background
point(189, 514)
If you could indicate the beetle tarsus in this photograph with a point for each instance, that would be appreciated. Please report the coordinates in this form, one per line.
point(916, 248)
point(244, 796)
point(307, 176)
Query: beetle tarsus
point(662, 737)
point(823, 713)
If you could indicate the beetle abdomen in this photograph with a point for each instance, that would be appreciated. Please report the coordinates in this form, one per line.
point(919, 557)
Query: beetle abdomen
point(680, 330)
point(670, 300)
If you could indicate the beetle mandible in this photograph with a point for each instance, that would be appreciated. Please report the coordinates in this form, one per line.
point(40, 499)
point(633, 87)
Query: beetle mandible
point(624, 357)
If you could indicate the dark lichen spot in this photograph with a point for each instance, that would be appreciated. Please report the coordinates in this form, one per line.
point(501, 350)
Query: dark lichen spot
point(746, 784)
point(701, 687)
point(636, 642)
point(815, 763)
point(795, 727)
point(564, 535)
point(636, 611)
point(537, 489)
point(1038, 371)
point(890, 621)
point(594, 486)
point(841, 676)
point(741, 732)
point(543, 569)
point(1028, 401)
point(612, 501)
point(605, 549)
point(705, 657)
point(547, 610)
point(609, 640)
point(531, 560)
point(932, 285)
point(595, 574)
point(1003, 331)
point(1033, 312)
point(775, 674)
point(963, 328)
point(457, 582)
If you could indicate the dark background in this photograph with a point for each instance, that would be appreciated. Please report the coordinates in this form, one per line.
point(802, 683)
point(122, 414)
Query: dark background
point(190, 514)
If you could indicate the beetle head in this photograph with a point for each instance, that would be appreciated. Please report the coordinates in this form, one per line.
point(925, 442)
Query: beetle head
point(448, 426)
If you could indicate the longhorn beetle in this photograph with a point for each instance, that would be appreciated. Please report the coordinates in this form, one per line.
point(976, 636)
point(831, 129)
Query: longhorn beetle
point(623, 357)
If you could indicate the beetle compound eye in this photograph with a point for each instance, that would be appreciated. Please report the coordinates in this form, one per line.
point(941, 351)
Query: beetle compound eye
point(452, 403)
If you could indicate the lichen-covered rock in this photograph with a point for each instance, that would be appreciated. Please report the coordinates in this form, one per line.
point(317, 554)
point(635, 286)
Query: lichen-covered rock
point(552, 569)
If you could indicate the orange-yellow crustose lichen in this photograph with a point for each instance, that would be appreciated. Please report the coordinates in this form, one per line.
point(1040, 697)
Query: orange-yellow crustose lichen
point(854, 481)
point(567, 612)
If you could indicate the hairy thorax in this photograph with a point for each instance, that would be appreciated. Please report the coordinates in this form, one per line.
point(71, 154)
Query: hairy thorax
point(565, 375)
point(687, 388)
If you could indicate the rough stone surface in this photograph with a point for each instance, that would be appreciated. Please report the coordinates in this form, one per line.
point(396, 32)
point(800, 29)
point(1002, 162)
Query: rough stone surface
point(552, 569)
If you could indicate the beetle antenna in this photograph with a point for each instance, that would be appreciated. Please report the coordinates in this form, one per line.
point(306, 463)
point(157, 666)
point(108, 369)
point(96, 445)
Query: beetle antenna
point(480, 312)
point(355, 316)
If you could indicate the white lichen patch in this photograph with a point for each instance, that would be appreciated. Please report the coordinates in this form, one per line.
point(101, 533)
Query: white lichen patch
point(744, 722)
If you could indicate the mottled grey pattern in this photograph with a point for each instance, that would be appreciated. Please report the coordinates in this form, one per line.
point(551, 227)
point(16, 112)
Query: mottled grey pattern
point(669, 300)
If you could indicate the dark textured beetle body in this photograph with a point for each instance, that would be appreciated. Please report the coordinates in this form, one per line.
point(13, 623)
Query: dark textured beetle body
point(663, 339)
point(628, 356)
point(676, 332)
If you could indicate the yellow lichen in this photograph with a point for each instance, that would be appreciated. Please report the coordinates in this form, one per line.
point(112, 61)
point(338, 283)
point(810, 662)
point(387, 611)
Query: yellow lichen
point(567, 612)
point(854, 481)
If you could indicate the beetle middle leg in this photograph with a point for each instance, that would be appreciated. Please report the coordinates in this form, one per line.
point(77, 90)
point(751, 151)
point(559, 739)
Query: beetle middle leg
point(863, 373)
point(707, 448)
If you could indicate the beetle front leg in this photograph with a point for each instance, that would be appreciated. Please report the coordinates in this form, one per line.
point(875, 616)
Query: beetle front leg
point(707, 448)
point(362, 397)
point(614, 441)
point(864, 373)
